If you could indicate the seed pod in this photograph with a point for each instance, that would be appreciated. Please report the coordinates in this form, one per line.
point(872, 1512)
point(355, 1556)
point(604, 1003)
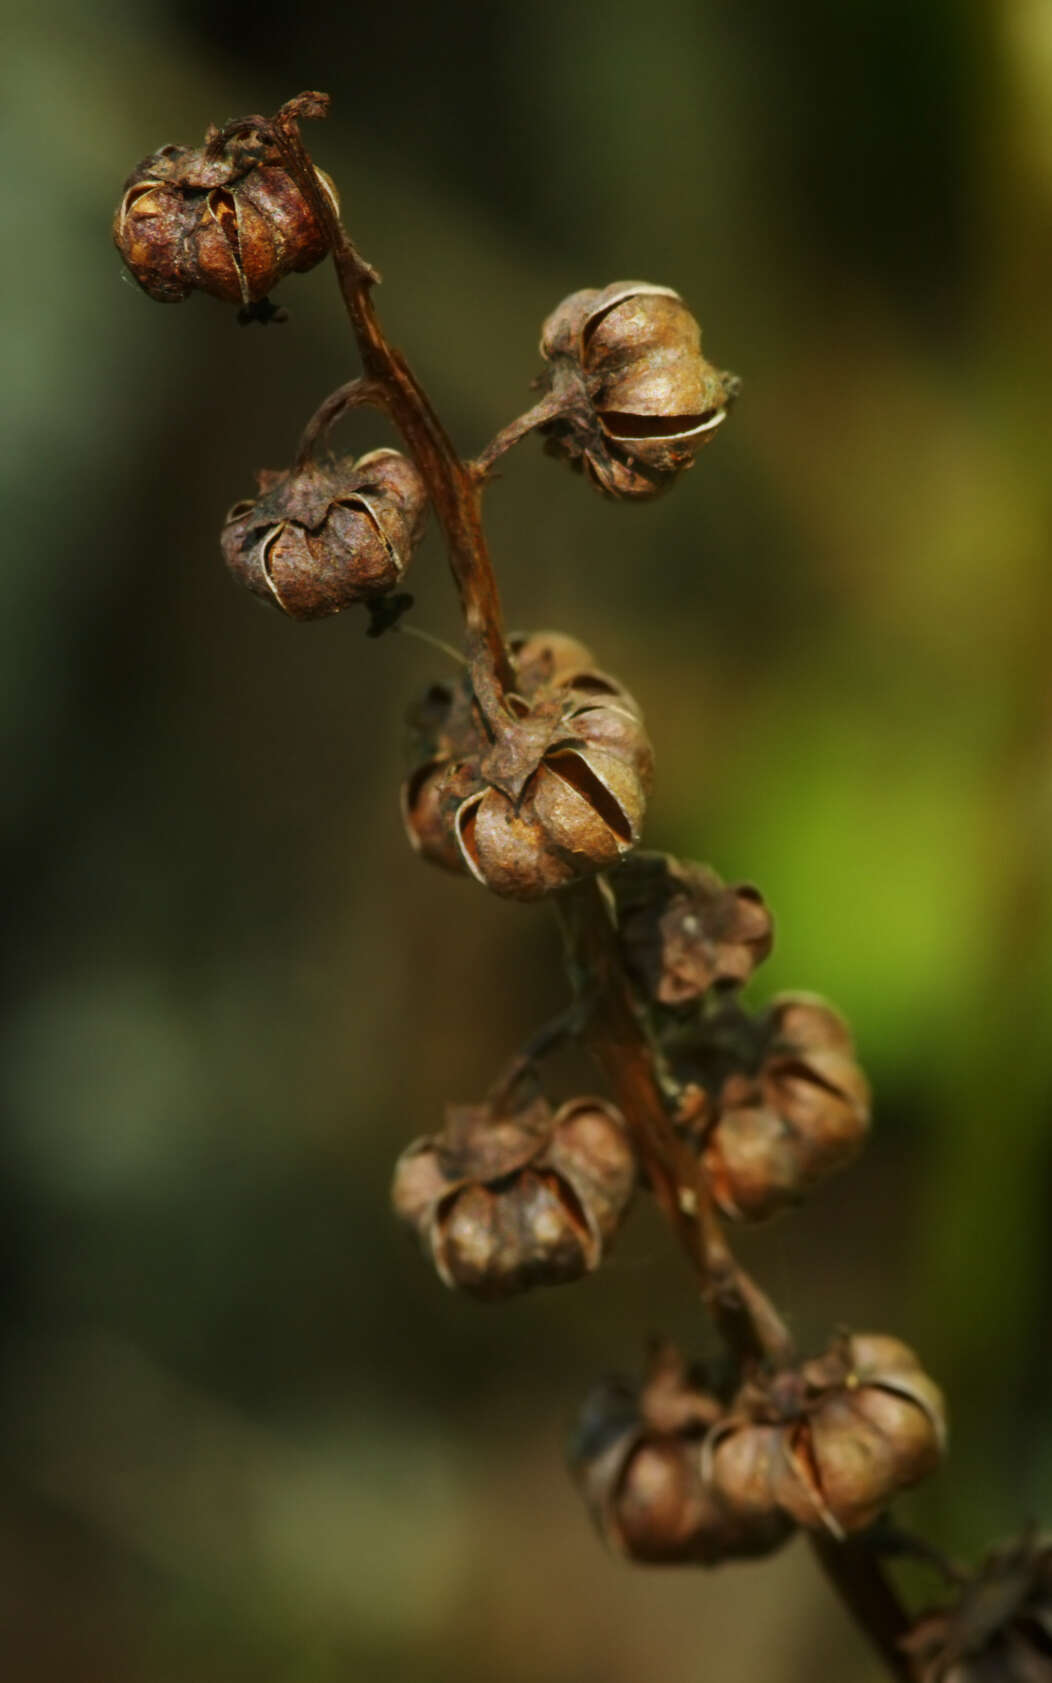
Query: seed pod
point(682, 932)
point(324, 537)
point(646, 399)
point(507, 1201)
point(800, 1114)
point(999, 1630)
point(832, 1442)
point(637, 1458)
point(558, 793)
point(229, 222)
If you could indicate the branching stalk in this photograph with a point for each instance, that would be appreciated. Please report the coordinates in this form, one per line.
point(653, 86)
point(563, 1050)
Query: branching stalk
point(606, 1012)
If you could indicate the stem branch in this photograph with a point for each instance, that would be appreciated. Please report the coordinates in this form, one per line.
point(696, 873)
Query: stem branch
point(552, 404)
point(746, 1318)
point(454, 493)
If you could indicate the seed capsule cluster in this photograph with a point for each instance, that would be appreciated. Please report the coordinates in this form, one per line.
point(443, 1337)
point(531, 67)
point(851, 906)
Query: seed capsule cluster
point(793, 1111)
point(830, 1443)
point(683, 931)
point(999, 1629)
point(324, 537)
point(647, 400)
point(225, 219)
point(675, 1473)
point(531, 775)
point(638, 1457)
point(558, 794)
point(510, 1197)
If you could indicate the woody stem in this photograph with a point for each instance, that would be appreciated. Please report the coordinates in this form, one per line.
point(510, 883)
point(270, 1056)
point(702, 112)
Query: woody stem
point(746, 1318)
point(454, 492)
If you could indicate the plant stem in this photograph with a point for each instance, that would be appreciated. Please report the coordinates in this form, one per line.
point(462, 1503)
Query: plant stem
point(615, 1031)
point(454, 492)
point(351, 396)
point(747, 1321)
point(552, 404)
point(746, 1318)
point(859, 1581)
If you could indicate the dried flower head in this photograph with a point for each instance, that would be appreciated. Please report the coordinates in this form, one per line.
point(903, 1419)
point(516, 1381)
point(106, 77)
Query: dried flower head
point(644, 398)
point(683, 932)
point(832, 1442)
point(774, 1105)
point(224, 218)
point(325, 536)
point(557, 790)
point(1000, 1628)
point(637, 1457)
point(511, 1195)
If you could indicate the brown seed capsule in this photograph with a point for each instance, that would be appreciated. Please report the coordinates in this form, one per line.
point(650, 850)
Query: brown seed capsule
point(557, 792)
point(509, 1199)
point(637, 1458)
point(326, 536)
point(779, 1113)
point(830, 1443)
point(646, 399)
point(225, 218)
point(682, 932)
point(1000, 1628)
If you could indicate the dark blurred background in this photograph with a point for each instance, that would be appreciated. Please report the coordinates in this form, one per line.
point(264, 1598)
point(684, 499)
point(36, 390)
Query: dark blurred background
point(245, 1434)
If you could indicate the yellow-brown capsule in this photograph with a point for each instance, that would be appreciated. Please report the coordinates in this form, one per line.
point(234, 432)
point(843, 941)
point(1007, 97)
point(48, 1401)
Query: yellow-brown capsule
point(229, 221)
point(506, 1198)
point(790, 1113)
point(638, 1459)
point(644, 399)
point(557, 792)
point(682, 931)
point(832, 1442)
point(326, 536)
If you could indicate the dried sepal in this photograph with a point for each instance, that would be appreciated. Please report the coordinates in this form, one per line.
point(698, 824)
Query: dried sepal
point(327, 535)
point(230, 222)
point(638, 1460)
point(683, 931)
point(558, 792)
point(507, 1199)
point(999, 1630)
point(832, 1442)
point(641, 398)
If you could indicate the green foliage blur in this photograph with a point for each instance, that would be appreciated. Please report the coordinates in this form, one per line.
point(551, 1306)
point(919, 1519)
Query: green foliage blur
point(245, 1434)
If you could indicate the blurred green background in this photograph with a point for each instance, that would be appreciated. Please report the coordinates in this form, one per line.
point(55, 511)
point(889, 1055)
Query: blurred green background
point(245, 1434)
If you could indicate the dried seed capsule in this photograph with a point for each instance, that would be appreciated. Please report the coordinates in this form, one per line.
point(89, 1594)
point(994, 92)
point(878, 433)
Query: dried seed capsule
point(323, 537)
point(830, 1443)
point(637, 1457)
point(646, 399)
point(507, 1201)
point(1000, 1628)
point(227, 221)
point(558, 794)
point(683, 932)
point(783, 1113)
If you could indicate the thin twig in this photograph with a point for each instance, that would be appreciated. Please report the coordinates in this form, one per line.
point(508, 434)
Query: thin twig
point(351, 396)
point(567, 1025)
point(747, 1320)
point(452, 488)
point(553, 404)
